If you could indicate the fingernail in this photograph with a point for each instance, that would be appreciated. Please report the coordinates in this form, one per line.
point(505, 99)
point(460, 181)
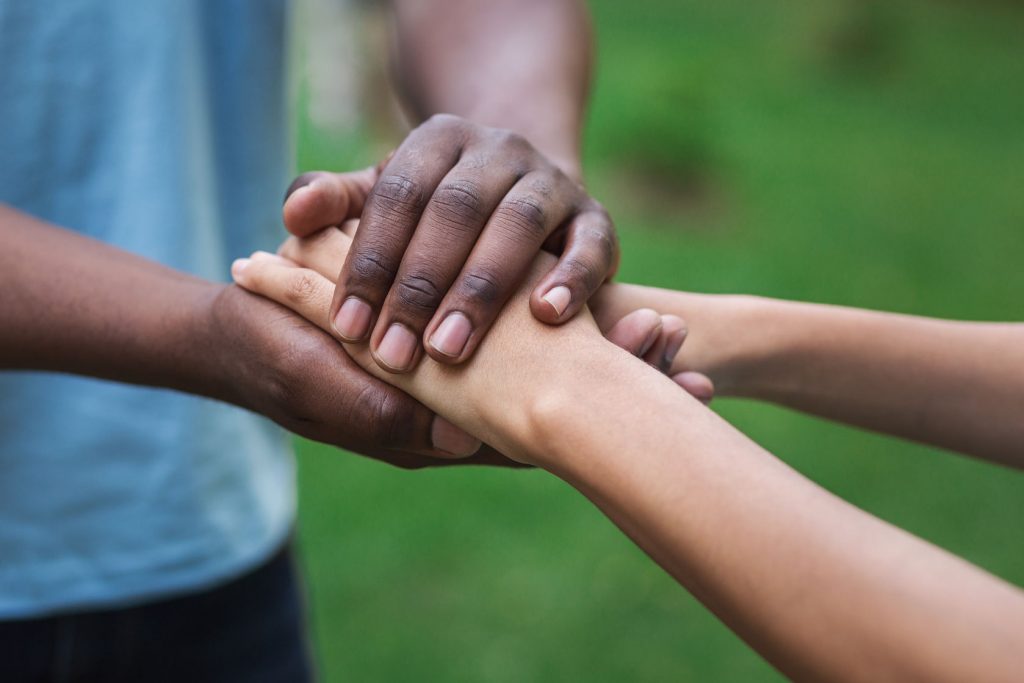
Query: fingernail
point(397, 347)
point(652, 337)
point(297, 191)
point(451, 335)
point(558, 298)
point(353, 319)
point(448, 438)
point(675, 342)
point(239, 266)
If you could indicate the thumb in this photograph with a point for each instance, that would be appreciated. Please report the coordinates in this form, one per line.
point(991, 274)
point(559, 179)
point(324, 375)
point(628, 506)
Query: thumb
point(318, 199)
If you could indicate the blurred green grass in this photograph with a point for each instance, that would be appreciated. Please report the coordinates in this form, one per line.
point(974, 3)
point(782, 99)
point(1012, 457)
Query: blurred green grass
point(861, 153)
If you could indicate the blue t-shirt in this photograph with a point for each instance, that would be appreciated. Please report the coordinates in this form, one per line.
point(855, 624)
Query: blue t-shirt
point(160, 127)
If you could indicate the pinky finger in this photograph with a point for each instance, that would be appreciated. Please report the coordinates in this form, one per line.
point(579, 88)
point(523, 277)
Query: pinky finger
point(304, 291)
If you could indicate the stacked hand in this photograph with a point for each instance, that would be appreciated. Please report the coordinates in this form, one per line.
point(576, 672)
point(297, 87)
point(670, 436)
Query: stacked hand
point(451, 224)
point(300, 278)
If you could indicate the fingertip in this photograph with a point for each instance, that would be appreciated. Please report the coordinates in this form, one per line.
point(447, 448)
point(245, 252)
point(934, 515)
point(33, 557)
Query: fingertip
point(301, 181)
point(553, 305)
point(696, 384)
point(450, 342)
point(238, 268)
point(452, 440)
point(314, 206)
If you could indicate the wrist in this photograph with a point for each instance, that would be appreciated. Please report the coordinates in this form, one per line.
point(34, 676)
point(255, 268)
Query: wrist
point(730, 338)
point(503, 393)
point(544, 421)
point(218, 372)
point(755, 337)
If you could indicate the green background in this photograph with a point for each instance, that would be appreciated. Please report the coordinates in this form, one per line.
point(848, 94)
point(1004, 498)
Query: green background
point(853, 152)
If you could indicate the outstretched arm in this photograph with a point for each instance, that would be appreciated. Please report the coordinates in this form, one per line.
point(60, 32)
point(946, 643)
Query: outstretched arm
point(823, 590)
point(958, 385)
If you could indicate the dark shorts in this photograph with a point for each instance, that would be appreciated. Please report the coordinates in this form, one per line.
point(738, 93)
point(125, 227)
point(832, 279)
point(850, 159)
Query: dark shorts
point(251, 629)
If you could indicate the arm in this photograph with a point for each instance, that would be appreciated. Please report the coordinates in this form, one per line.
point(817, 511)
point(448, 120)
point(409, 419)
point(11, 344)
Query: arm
point(523, 65)
point(823, 590)
point(452, 221)
point(72, 304)
point(959, 385)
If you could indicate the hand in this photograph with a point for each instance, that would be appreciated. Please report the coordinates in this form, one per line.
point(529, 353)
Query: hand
point(657, 339)
point(450, 227)
point(308, 292)
point(283, 367)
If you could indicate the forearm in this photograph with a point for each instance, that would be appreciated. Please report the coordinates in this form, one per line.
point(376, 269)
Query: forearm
point(821, 589)
point(517, 64)
point(72, 304)
point(953, 384)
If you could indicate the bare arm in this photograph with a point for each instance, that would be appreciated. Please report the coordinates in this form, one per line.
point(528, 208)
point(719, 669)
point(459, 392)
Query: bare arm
point(517, 64)
point(72, 304)
point(958, 385)
point(452, 221)
point(821, 589)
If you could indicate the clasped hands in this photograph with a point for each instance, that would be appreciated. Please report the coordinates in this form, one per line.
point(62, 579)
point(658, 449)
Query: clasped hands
point(451, 232)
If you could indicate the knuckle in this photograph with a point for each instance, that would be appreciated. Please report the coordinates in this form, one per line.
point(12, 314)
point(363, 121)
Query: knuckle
point(398, 193)
point(459, 203)
point(603, 239)
point(586, 274)
point(302, 288)
point(301, 181)
point(526, 215)
point(480, 286)
point(444, 121)
point(418, 292)
point(370, 265)
point(511, 140)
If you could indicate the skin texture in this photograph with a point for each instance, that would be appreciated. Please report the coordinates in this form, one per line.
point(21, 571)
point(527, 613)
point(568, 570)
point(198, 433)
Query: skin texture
point(128, 319)
point(821, 589)
point(452, 220)
point(117, 316)
point(114, 315)
point(953, 384)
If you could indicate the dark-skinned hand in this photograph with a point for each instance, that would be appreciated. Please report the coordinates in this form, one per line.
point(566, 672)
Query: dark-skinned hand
point(450, 224)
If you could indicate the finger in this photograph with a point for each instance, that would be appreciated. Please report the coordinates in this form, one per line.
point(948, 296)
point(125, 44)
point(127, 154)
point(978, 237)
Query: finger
point(395, 420)
point(696, 384)
point(451, 223)
point(302, 290)
point(390, 216)
point(590, 257)
point(502, 256)
point(636, 332)
point(666, 347)
point(322, 251)
point(318, 199)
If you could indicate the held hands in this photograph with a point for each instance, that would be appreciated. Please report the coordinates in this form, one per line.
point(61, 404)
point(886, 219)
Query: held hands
point(452, 223)
point(308, 290)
